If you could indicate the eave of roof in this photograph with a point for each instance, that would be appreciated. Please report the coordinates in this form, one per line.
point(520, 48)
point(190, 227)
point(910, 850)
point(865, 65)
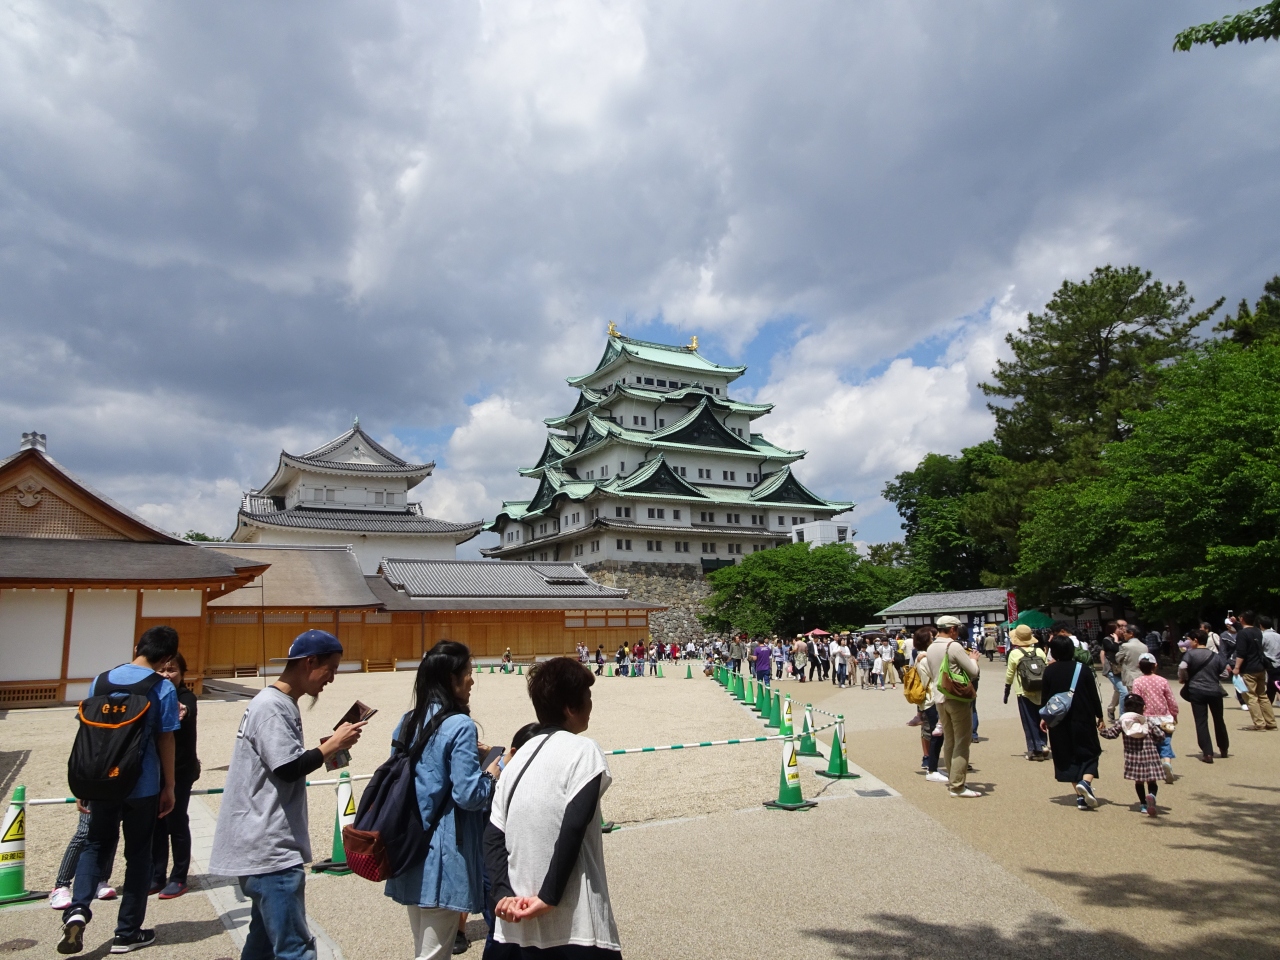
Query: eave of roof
point(361, 522)
point(27, 561)
point(952, 601)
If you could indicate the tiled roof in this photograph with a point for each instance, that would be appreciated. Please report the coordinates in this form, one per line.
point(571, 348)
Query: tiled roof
point(299, 576)
point(262, 510)
point(490, 578)
point(393, 599)
point(953, 601)
point(115, 561)
point(321, 452)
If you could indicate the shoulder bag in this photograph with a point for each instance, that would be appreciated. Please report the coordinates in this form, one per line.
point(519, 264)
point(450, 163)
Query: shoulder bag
point(955, 683)
point(1059, 704)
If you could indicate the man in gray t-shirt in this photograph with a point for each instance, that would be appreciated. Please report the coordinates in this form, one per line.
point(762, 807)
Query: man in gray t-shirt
point(263, 837)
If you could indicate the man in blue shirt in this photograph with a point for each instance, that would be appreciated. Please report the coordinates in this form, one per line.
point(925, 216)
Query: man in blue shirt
point(150, 799)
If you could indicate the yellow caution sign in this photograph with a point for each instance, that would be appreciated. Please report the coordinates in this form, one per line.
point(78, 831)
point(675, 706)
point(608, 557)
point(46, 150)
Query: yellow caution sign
point(350, 811)
point(16, 829)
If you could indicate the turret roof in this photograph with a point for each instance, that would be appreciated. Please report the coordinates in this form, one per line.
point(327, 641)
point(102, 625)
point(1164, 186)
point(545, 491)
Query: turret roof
point(589, 400)
point(355, 453)
point(620, 349)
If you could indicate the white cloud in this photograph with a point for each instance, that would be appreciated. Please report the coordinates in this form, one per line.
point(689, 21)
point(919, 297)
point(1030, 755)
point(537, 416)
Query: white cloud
point(226, 228)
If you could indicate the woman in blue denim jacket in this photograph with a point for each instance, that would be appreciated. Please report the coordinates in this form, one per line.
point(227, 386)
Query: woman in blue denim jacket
point(452, 789)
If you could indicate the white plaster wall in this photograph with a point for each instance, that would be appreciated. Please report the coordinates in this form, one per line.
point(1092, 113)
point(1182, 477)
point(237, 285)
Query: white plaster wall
point(31, 628)
point(171, 603)
point(102, 625)
point(370, 550)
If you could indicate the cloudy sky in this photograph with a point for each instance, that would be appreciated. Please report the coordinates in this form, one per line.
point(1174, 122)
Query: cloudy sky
point(225, 229)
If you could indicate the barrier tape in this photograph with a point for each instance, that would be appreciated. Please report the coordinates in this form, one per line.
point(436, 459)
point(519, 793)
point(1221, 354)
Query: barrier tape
point(713, 743)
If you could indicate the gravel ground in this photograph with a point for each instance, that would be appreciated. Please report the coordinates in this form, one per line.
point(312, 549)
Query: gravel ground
point(701, 870)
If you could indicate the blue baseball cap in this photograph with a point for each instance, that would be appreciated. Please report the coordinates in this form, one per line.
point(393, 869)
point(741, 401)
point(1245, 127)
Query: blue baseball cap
point(312, 643)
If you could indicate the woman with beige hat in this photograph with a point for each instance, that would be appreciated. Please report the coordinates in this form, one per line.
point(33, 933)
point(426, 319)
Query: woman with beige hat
point(1025, 684)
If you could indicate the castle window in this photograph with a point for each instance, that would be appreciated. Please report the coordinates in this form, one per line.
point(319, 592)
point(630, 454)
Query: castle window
point(330, 496)
point(621, 542)
point(604, 471)
point(378, 496)
point(782, 521)
point(635, 421)
point(317, 495)
point(683, 471)
point(662, 423)
point(662, 383)
point(797, 519)
point(735, 548)
point(708, 548)
point(708, 517)
point(542, 555)
point(577, 549)
point(675, 514)
point(648, 381)
point(682, 546)
point(644, 421)
point(595, 546)
point(652, 513)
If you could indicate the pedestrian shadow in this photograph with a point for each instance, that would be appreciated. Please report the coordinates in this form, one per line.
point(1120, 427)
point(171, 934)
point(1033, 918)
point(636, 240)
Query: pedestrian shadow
point(167, 935)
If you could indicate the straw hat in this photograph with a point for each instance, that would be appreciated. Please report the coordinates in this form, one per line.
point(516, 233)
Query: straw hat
point(1022, 636)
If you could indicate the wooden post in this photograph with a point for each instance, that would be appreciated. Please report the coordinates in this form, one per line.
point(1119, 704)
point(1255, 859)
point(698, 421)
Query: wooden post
point(66, 642)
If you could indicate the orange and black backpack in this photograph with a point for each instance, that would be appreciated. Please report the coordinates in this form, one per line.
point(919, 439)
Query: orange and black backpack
point(115, 725)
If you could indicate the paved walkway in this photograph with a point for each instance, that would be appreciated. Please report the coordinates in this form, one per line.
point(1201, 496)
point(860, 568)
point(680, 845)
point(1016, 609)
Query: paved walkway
point(884, 866)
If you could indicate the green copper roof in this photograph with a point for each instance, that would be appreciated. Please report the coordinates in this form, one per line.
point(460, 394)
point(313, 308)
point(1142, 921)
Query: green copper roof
point(701, 428)
point(620, 349)
point(589, 400)
point(656, 476)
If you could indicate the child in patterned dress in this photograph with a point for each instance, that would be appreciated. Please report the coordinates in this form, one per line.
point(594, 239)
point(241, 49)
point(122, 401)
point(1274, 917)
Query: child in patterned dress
point(1142, 736)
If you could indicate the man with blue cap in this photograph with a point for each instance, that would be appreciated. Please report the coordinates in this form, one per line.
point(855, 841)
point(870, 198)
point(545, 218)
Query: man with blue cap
point(263, 837)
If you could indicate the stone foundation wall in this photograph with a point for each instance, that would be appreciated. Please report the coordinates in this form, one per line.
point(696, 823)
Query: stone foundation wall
point(679, 586)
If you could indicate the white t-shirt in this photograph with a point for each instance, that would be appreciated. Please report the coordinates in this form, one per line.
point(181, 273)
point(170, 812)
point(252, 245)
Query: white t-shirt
point(561, 769)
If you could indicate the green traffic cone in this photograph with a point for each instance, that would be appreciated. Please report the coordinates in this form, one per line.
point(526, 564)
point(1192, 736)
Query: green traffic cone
point(519, 670)
point(762, 701)
point(609, 670)
point(775, 714)
point(344, 814)
point(13, 853)
point(660, 671)
point(838, 765)
point(807, 747)
point(790, 796)
point(735, 688)
point(750, 698)
point(785, 726)
point(491, 668)
point(688, 671)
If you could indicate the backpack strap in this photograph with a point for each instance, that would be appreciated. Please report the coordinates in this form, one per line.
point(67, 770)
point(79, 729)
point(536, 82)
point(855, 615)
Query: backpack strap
point(104, 686)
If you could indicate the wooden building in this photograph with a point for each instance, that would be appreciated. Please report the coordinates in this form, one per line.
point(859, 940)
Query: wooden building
point(81, 578)
point(386, 621)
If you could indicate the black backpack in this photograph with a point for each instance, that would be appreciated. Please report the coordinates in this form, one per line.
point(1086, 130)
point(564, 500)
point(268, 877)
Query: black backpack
point(387, 836)
point(115, 727)
point(1031, 669)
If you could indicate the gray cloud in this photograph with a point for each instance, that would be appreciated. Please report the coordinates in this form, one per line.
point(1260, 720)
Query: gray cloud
point(225, 229)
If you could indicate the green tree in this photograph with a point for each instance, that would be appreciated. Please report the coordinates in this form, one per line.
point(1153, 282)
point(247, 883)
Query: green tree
point(795, 588)
point(1185, 514)
point(1079, 367)
point(198, 537)
point(893, 553)
point(1260, 23)
point(932, 500)
point(1262, 322)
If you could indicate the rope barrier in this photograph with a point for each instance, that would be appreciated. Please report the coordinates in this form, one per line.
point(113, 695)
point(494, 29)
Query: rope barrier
point(203, 792)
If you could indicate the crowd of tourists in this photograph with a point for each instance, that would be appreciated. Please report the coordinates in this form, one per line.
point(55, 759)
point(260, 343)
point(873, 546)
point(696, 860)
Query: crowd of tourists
point(1063, 718)
point(453, 836)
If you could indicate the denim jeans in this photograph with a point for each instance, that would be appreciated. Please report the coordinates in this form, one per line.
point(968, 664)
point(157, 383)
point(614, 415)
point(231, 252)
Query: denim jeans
point(763, 678)
point(1119, 693)
point(278, 922)
point(1029, 714)
point(138, 819)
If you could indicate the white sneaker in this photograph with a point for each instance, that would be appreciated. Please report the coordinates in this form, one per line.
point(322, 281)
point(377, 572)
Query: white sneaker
point(966, 794)
point(60, 898)
point(937, 777)
point(1167, 766)
point(1244, 707)
point(105, 892)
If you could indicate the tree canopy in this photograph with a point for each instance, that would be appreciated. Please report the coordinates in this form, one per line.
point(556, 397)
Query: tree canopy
point(1260, 23)
point(795, 588)
point(1185, 514)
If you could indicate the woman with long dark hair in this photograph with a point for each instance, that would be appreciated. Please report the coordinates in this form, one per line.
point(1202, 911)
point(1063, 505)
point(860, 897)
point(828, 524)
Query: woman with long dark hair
point(453, 793)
